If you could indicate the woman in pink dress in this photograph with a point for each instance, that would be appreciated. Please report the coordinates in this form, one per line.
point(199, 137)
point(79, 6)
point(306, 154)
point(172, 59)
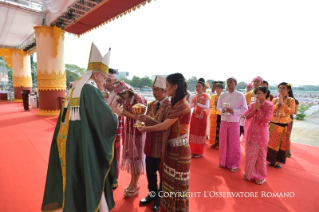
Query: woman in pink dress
point(133, 158)
point(256, 125)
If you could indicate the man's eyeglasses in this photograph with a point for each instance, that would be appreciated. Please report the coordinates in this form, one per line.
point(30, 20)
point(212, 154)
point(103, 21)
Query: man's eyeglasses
point(105, 78)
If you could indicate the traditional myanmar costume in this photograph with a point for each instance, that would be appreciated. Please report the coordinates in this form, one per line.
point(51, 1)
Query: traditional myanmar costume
point(229, 141)
point(197, 134)
point(133, 158)
point(177, 158)
point(215, 120)
point(157, 112)
point(256, 138)
point(81, 163)
point(279, 134)
point(113, 100)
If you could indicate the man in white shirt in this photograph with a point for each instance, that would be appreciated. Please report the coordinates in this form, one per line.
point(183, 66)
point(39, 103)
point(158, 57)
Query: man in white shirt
point(231, 104)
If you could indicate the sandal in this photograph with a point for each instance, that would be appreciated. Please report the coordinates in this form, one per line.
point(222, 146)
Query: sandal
point(278, 166)
point(198, 156)
point(260, 181)
point(213, 146)
point(271, 164)
point(129, 194)
point(127, 187)
point(234, 170)
point(245, 177)
point(217, 147)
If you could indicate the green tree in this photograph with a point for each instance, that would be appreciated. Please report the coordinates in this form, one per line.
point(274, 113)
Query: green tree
point(127, 81)
point(191, 83)
point(73, 72)
point(241, 85)
point(136, 82)
point(146, 82)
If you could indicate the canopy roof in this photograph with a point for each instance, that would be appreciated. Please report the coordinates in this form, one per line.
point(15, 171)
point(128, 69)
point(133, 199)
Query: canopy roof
point(18, 17)
point(104, 12)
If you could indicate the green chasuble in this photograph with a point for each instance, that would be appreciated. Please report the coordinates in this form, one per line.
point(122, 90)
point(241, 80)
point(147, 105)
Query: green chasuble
point(81, 163)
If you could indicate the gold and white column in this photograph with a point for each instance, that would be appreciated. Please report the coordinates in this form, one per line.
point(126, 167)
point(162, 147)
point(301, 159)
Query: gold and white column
point(21, 73)
point(51, 76)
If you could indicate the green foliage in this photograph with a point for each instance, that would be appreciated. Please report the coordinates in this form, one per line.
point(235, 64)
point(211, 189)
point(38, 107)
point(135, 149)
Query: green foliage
point(146, 82)
point(241, 85)
point(301, 112)
point(191, 83)
point(73, 72)
point(137, 82)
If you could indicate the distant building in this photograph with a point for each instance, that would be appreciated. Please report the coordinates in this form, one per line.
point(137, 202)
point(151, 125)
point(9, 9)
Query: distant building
point(121, 74)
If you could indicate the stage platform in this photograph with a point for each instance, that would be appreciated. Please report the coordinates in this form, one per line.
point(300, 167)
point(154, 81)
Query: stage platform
point(25, 140)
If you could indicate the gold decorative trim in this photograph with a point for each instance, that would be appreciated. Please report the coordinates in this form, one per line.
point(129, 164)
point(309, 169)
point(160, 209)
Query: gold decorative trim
point(7, 56)
point(138, 6)
point(44, 30)
point(54, 32)
point(51, 81)
point(18, 51)
point(57, 32)
point(25, 81)
point(18, 100)
point(48, 112)
point(98, 66)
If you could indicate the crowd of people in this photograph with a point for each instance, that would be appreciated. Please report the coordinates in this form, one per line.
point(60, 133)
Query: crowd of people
point(97, 120)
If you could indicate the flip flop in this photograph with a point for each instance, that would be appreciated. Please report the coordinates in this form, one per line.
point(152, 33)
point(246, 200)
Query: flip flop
point(260, 181)
point(234, 170)
point(129, 194)
point(245, 177)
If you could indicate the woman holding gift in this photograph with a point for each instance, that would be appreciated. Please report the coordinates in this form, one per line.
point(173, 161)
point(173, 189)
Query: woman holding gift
point(176, 154)
point(133, 158)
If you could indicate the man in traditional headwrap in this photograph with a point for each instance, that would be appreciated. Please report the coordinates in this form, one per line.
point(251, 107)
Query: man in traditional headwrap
point(156, 113)
point(250, 96)
point(231, 104)
point(81, 164)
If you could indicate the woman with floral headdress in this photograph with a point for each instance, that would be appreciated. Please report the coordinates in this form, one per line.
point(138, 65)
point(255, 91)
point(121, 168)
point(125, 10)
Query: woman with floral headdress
point(133, 158)
point(279, 135)
point(197, 134)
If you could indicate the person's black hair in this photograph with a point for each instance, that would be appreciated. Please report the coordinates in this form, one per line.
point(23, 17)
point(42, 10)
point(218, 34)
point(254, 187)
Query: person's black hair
point(220, 85)
point(262, 89)
point(264, 81)
point(201, 81)
point(181, 91)
point(220, 82)
point(290, 93)
point(130, 92)
point(112, 71)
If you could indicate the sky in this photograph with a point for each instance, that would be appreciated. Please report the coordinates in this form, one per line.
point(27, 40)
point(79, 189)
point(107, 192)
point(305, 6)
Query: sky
point(275, 39)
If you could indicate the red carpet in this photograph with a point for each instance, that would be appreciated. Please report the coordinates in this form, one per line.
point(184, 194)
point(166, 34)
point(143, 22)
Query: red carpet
point(25, 140)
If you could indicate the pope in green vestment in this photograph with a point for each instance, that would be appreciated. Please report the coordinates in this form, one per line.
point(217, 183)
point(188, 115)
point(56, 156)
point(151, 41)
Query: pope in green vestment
point(81, 167)
point(89, 158)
